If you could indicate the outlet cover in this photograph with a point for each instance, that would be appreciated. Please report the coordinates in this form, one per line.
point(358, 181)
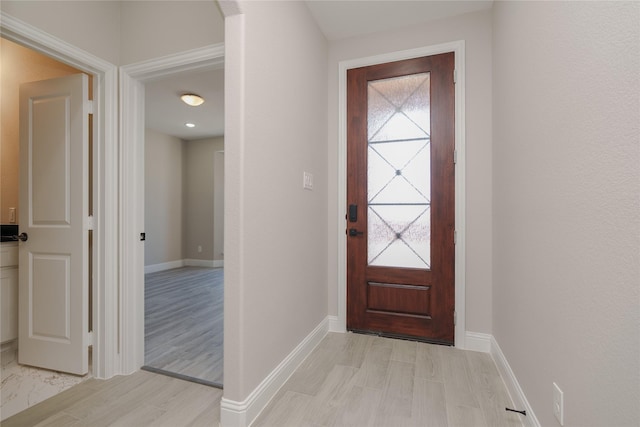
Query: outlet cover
point(558, 403)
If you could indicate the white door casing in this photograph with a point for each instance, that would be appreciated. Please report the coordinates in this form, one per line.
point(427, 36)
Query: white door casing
point(54, 281)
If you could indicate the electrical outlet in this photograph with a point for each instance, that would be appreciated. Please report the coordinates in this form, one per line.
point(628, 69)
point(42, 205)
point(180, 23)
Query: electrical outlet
point(558, 403)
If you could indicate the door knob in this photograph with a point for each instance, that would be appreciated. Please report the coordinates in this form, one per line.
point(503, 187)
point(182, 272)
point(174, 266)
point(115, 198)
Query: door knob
point(354, 232)
point(23, 237)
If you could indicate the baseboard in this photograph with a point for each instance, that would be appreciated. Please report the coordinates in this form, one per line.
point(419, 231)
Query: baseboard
point(11, 345)
point(476, 341)
point(210, 263)
point(334, 325)
point(154, 268)
point(242, 414)
point(513, 387)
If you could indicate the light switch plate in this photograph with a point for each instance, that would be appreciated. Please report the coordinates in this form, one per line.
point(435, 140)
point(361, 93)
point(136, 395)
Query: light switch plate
point(558, 403)
point(307, 181)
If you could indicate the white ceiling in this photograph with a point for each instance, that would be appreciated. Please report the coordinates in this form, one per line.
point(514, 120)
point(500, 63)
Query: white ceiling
point(350, 18)
point(338, 19)
point(166, 113)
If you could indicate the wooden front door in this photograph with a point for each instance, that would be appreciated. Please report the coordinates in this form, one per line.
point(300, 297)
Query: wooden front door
point(400, 197)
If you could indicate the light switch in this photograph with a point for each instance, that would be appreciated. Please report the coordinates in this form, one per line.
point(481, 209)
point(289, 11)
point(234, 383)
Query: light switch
point(12, 215)
point(307, 181)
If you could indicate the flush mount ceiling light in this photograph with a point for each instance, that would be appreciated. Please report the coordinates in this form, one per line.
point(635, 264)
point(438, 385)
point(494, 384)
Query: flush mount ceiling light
point(192, 99)
point(190, 125)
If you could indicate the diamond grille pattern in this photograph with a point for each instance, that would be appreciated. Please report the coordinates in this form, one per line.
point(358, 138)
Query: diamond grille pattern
point(399, 178)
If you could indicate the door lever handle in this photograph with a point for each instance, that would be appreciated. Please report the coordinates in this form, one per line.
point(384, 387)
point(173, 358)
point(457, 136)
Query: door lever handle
point(354, 232)
point(23, 237)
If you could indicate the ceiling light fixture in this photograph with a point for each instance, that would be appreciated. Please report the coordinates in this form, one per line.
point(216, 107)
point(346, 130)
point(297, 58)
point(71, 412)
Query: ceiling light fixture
point(190, 125)
point(192, 99)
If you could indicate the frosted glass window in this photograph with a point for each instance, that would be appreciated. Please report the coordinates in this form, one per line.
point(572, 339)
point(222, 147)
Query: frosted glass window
point(399, 172)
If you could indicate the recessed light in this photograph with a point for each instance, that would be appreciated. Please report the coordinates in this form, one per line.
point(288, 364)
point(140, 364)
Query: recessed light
point(192, 99)
point(190, 125)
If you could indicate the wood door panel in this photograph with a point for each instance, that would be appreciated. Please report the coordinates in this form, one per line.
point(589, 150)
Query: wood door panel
point(397, 296)
point(388, 297)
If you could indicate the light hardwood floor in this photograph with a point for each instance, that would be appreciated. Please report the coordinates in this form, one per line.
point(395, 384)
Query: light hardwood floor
point(184, 322)
point(348, 380)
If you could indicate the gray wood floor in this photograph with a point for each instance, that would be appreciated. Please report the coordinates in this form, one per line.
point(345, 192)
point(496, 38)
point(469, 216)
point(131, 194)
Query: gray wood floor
point(184, 322)
point(360, 380)
point(348, 380)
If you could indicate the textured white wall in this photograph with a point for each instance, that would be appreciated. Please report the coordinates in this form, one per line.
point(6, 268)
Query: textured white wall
point(125, 32)
point(275, 247)
point(475, 29)
point(152, 29)
point(164, 198)
point(93, 26)
point(566, 205)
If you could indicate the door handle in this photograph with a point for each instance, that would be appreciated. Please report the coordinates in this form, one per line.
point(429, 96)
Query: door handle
point(23, 237)
point(354, 232)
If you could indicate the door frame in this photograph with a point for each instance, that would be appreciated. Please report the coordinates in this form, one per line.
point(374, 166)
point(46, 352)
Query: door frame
point(458, 48)
point(132, 129)
point(105, 339)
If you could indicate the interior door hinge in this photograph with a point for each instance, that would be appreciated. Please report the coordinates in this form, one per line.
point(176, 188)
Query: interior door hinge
point(90, 106)
point(455, 76)
point(89, 223)
point(455, 237)
point(455, 318)
point(455, 157)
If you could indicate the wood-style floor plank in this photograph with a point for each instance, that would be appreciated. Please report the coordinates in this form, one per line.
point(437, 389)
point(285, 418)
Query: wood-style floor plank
point(457, 388)
point(184, 322)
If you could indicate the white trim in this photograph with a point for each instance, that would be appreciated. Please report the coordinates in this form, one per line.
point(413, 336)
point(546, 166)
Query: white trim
point(106, 362)
point(513, 387)
point(241, 414)
point(335, 325)
point(132, 78)
point(458, 47)
point(476, 341)
point(210, 263)
point(154, 268)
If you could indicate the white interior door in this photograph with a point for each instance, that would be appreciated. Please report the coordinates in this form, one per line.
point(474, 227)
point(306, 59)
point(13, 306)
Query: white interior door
point(53, 261)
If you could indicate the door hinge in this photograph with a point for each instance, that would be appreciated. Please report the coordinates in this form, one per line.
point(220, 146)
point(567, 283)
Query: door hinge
point(455, 76)
point(89, 223)
point(89, 338)
point(89, 106)
point(455, 318)
point(455, 237)
point(455, 157)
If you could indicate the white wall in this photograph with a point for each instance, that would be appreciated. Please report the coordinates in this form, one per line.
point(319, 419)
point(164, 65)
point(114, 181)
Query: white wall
point(93, 26)
point(566, 205)
point(164, 198)
point(152, 29)
point(125, 32)
point(275, 248)
point(199, 184)
point(475, 29)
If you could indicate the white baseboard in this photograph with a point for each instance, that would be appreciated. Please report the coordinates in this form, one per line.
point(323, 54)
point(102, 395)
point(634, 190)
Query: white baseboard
point(476, 341)
point(211, 263)
point(334, 325)
point(515, 391)
point(242, 414)
point(154, 268)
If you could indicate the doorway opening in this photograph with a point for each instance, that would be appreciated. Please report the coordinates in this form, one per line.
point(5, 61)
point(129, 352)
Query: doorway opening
point(176, 198)
point(26, 385)
point(184, 208)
